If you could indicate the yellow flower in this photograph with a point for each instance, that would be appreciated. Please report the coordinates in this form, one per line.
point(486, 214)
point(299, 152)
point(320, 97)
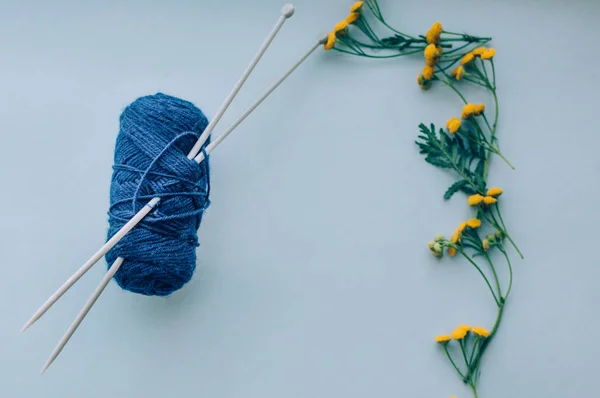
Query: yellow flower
point(451, 251)
point(357, 6)
point(483, 332)
point(485, 244)
point(434, 33)
point(342, 25)
point(352, 17)
point(474, 222)
point(462, 227)
point(431, 52)
point(479, 50)
point(330, 41)
point(488, 54)
point(423, 83)
point(439, 49)
point(458, 72)
point(465, 327)
point(475, 200)
point(479, 108)
point(459, 333)
point(453, 125)
point(495, 191)
point(444, 338)
point(430, 62)
point(468, 57)
point(489, 200)
point(428, 72)
point(468, 110)
point(455, 236)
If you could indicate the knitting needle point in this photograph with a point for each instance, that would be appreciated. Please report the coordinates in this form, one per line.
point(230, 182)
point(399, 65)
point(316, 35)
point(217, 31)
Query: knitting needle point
point(286, 12)
point(86, 308)
point(209, 148)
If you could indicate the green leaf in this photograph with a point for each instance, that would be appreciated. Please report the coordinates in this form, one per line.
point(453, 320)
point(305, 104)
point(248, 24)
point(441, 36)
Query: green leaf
point(454, 188)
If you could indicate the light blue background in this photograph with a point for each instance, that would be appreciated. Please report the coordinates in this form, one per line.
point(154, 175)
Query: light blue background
point(314, 279)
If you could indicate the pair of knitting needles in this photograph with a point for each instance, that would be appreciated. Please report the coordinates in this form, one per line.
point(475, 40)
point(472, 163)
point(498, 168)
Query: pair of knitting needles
point(195, 153)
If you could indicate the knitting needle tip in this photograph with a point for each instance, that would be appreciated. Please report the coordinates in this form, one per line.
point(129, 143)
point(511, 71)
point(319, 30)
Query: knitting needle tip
point(47, 365)
point(28, 324)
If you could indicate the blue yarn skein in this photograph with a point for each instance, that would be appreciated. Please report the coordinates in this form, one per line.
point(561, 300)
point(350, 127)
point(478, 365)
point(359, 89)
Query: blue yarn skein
point(156, 134)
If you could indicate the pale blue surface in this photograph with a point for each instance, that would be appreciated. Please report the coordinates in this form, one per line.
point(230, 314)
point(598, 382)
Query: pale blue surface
point(313, 278)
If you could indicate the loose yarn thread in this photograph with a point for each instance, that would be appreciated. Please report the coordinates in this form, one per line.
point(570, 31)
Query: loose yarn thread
point(156, 133)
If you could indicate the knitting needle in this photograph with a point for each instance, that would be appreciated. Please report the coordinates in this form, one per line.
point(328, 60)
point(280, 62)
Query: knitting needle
point(286, 12)
point(209, 148)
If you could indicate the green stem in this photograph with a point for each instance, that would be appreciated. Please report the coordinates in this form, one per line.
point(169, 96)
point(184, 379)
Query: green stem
point(475, 345)
point(489, 260)
point(486, 342)
point(482, 274)
point(463, 349)
point(474, 390)
point(452, 361)
point(493, 73)
point(510, 271)
point(447, 83)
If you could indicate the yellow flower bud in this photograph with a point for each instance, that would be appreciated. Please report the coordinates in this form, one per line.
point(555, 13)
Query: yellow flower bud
point(352, 17)
point(482, 332)
point(428, 72)
point(356, 7)
point(444, 338)
point(431, 52)
point(488, 54)
point(459, 333)
point(453, 124)
point(459, 72)
point(474, 223)
point(489, 200)
point(434, 33)
point(468, 110)
point(479, 50)
point(330, 41)
point(495, 191)
point(479, 108)
point(467, 58)
point(342, 25)
point(475, 200)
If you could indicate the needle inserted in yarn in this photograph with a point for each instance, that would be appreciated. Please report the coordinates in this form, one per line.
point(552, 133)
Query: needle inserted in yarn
point(156, 133)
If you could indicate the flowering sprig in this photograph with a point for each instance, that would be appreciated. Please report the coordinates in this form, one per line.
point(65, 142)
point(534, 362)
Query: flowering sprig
point(362, 40)
point(465, 148)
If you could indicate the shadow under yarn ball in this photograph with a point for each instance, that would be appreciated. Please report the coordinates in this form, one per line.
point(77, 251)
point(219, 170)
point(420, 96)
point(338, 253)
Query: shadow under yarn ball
point(156, 133)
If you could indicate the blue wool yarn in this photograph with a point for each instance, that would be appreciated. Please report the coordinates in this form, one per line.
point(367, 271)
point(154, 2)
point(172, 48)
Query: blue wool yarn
point(156, 134)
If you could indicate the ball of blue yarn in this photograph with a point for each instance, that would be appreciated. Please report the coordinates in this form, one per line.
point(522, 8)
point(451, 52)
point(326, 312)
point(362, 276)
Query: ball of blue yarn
point(156, 134)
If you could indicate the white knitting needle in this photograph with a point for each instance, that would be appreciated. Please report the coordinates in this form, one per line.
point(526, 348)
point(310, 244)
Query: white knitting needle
point(286, 12)
point(209, 148)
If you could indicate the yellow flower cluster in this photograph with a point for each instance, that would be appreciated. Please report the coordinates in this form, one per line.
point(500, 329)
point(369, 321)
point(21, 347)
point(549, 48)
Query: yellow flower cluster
point(342, 26)
point(444, 338)
point(453, 125)
point(461, 332)
point(481, 52)
point(481, 332)
point(432, 55)
point(472, 223)
point(472, 110)
point(490, 198)
point(434, 33)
